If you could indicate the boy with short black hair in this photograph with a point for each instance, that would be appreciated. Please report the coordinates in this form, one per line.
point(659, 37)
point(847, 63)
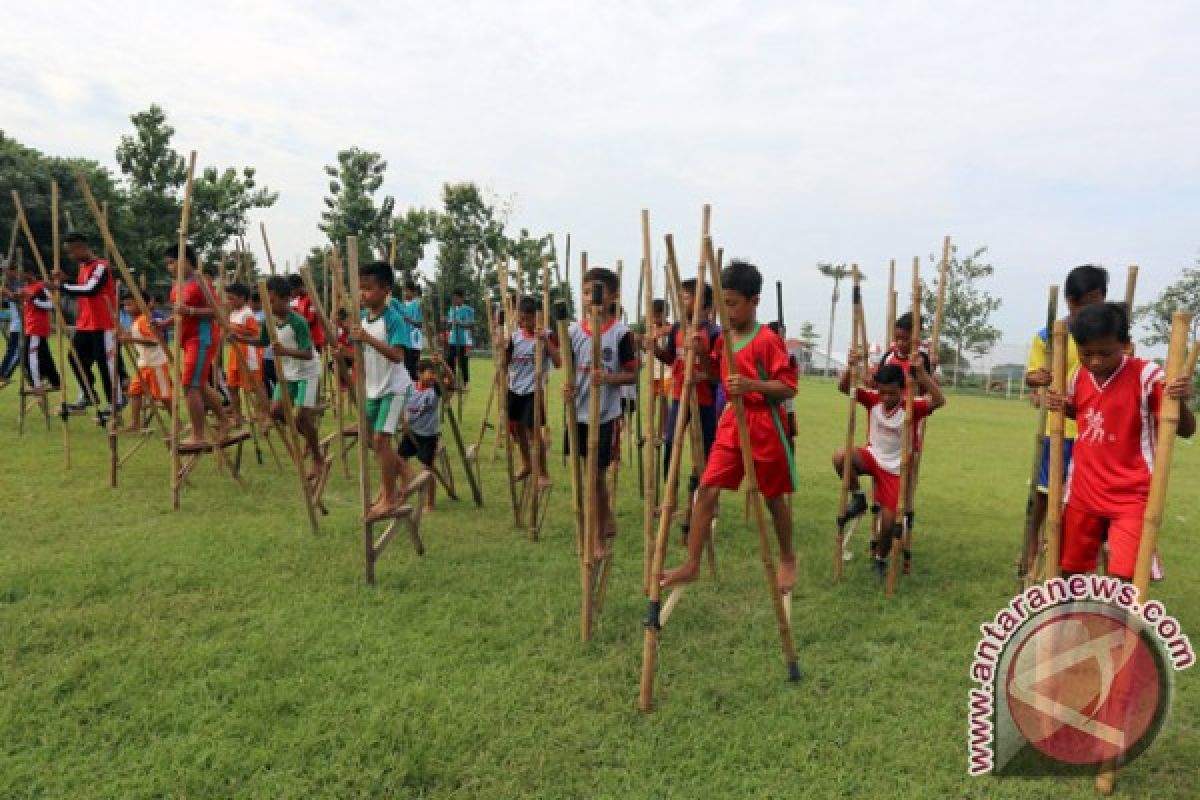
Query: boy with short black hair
point(383, 336)
point(763, 378)
point(520, 357)
point(1115, 399)
point(242, 321)
point(299, 367)
point(619, 367)
point(41, 373)
point(200, 341)
point(460, 320)
point(703, 383)
point(410, 310)
point(881, 458)
point(303, 305)
point(422, 431)
point(152, 377)
point(1085, 286)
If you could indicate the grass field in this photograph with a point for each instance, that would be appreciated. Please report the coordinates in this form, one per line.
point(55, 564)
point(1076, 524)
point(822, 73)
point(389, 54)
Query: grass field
point(227, 652)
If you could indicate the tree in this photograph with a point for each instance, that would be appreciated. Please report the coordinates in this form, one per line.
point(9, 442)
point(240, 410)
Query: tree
point(413, 231)
point(808, 334)
point(30, 172)
point(221, 201)
point(1182, 295)
point(350, 208)
point(968, 309)
point(154, 175)
point(838, 272)
point(470, 239)
point(528, 253)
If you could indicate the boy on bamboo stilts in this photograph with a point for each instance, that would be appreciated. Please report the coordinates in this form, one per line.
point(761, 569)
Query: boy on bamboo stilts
point(269, 374)
point(520, 361)
point(242, 321)
point(40, 370)
point(620, 365)
point(460, 323)
point(703, 385)
point(383, 335)
point(763, 378)
point(298, 364)
point(880, 459)
point(660, 337)
point(410, 310)
point(1085, 286)
point(421, 441)
point(199, 340)
point(151, 382)
point(1115, 399)
point(303, 305)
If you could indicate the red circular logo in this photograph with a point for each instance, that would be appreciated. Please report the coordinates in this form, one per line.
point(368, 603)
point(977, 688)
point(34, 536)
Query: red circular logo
point(1084, 688)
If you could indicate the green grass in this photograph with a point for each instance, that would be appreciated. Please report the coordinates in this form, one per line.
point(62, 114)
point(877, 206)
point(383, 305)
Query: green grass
point(225, 651)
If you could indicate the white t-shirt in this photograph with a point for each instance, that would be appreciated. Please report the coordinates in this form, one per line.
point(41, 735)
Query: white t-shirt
point(885, 429)
point(382, 375)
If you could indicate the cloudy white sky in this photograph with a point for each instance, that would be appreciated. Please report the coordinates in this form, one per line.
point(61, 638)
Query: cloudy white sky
point(1054, 132)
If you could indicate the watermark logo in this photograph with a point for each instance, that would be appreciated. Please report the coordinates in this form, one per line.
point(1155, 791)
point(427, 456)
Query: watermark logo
point(1071, 674)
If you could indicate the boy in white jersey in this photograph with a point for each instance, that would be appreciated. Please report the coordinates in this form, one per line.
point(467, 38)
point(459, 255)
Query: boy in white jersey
point(880, 459)
point(384, 336)
point(520, 360)
point(421, 437)
point(619, 366)
point(299, 368)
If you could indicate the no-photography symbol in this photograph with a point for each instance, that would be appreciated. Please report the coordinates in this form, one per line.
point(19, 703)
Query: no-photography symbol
point(1087, 686)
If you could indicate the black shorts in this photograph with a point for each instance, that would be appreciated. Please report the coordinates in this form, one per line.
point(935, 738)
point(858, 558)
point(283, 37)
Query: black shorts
point(521, 407)
point(604, 453)
point(423, 447)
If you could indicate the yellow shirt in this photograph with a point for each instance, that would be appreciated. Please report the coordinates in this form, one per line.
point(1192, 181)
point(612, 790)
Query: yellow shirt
point(1037, 360)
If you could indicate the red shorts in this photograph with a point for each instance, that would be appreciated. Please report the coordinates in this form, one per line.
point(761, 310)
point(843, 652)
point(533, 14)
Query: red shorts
point(1083, 533)
point(885, 485)
point(198, 359)
point(725, 469)
point(234, 378)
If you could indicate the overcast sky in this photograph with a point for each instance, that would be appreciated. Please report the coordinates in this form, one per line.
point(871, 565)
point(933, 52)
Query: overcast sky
point(1055, 133)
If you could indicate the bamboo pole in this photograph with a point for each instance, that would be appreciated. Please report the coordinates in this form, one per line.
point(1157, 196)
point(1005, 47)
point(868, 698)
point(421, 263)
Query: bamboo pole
point(360, 400)
point(591, 501)
point(114, 372)
point(1032, 547)
point(56, 245)
point(505, 432)
point(851, 418)
point(1130, 290)
point(566, 347)
point(654, 608)
point(896, 535)
point(1054, 495)
point(538, 445)
point(262, 227)
point(935, 336)
point(1180, 364)
point(768, 561)
point(890, 305)
point(649, 434)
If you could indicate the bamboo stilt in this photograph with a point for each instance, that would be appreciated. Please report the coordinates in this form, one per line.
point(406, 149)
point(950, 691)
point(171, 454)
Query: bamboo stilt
point(856, 344)
point(177, 345)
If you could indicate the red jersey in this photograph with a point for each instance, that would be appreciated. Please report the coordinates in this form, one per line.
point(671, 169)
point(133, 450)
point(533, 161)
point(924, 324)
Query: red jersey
point(36, 310)
point(673, 357)
point(303, 305)
point(763, 356)
point(1118, 426)
point(885, 429)
point(95, 293)
point(195, 328)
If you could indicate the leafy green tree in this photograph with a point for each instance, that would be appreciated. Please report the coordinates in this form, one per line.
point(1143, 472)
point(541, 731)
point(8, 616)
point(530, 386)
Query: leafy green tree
point(1182, 295)
point(414, 230)
point(470, 240)
point(350, 207)
point(808, 334)
point(529, 253)
point(968, 308)
point(30, 173)
point(221, 202)
point(154, 177)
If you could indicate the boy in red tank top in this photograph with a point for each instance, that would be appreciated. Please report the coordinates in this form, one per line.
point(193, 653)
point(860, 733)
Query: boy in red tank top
point(763, 376)
point(1115, 398)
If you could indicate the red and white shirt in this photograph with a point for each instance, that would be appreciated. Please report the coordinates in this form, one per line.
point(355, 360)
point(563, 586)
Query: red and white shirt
point(303, 305)
point(95, 293)
point(885, 429)
point(1118, 424)
point(36, 310)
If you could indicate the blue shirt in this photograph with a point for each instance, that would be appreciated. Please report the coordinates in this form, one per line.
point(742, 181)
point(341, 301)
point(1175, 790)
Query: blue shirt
point(400, 311)
point(412, 310)
point(459, 335)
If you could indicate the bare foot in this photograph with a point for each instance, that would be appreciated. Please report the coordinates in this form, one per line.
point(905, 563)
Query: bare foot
point(543, 481)
point(686, 572)
point(786, 575)
point(522, 475)
point(380, 510)
point(192, 445)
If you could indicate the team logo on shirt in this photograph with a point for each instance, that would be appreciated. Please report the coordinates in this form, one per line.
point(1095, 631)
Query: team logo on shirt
point(1093, 427)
